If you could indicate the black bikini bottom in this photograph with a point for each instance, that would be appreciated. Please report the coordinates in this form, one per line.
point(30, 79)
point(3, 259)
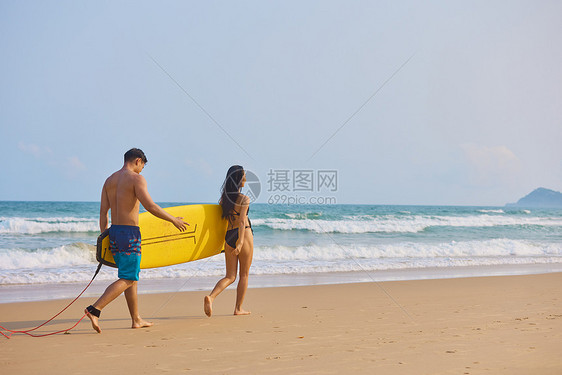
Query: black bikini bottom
point(231, 236)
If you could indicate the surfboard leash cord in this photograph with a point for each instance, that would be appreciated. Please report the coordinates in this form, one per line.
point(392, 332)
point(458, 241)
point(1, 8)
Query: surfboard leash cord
point(27, 332)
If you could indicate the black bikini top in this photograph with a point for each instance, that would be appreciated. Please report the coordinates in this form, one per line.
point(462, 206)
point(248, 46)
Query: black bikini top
point(238, 214)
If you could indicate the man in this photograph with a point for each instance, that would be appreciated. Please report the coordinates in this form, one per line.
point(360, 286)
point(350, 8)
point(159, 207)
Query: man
point(122, 193)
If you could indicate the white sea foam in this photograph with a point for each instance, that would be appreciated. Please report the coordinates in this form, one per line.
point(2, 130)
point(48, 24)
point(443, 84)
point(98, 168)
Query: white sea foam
point(401, 224)
point(334, 252)
point(21, 225)
point(499, 211)
point(76, 254)
point(303, 215)
point(76, 263)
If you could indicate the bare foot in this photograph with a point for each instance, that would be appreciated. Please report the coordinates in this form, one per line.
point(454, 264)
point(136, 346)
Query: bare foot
point(241, 312)
point(208, 306)
point(94, 320)
point(141, 324)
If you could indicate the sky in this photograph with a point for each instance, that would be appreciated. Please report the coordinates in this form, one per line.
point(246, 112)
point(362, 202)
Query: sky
point(404, 102)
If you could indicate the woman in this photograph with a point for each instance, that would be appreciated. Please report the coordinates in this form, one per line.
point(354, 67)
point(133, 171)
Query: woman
point(239, 247)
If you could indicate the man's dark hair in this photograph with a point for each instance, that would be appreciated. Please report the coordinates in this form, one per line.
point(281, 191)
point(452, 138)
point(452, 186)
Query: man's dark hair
point(135, 153)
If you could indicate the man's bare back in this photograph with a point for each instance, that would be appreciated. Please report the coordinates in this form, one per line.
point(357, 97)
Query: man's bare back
point(122, 193)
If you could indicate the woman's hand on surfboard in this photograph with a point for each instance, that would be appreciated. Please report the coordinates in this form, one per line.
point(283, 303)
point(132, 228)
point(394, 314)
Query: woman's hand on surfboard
point(180, 224)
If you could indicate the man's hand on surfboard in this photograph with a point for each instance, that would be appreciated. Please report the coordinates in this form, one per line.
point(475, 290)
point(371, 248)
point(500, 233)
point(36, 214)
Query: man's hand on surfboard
point(180, 224)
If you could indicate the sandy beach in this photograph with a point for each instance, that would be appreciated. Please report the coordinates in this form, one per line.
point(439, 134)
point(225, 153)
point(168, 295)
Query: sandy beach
point(482, 325)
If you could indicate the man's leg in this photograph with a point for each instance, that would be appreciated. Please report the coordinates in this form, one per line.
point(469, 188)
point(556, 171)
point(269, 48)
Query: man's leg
point(132, 303)
point(111, 292)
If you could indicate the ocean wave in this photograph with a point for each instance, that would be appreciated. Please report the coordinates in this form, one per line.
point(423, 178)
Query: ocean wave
point(384, 265)
point(76, 262)
point(215, 269)
point(334, 252)
point(22, 225)
point(401, 224)
point(76, 254)
point(46, 276)
point(498, 211)
point(303, 215)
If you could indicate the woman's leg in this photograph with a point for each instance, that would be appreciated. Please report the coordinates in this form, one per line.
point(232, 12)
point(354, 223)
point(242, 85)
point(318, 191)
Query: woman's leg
point(245, 258)
point(231, 261)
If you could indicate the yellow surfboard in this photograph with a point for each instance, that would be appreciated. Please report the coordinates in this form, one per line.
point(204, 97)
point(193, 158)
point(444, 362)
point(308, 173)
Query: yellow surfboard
point(164, 245)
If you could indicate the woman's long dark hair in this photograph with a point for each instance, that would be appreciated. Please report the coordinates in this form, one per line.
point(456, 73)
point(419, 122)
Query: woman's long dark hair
point(231, 190)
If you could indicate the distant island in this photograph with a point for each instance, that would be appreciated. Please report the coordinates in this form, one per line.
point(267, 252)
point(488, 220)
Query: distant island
point(540, 197)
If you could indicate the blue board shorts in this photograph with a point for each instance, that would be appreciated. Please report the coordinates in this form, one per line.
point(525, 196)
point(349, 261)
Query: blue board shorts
point(125, 245)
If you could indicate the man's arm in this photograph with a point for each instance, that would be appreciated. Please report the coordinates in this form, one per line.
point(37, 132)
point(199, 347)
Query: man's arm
point(141, 191)
point(104, 210)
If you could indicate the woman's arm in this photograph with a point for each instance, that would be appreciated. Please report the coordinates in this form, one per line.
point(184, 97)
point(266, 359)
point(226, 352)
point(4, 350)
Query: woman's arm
point(242, 224)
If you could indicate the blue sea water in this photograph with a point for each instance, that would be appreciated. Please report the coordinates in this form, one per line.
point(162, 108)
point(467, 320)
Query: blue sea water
point(54, 242)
